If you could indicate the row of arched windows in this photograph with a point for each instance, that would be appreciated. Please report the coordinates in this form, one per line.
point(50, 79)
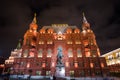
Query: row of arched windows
point(26, 53)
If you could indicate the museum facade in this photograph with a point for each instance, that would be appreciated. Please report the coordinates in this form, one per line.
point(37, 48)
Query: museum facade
point(40, 51)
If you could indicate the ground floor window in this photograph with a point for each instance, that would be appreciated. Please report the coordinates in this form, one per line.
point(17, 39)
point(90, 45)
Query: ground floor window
point(47, 73)
point(38, 72)
point(71, 73)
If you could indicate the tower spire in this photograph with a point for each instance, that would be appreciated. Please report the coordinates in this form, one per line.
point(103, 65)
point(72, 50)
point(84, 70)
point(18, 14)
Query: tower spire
point(19, 45)
point(34, 19)
point(85, 24)
point(84, 18)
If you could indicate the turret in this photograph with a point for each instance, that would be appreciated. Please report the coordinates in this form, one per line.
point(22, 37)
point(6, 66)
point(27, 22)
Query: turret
point(33, 25)
point(85, 25)
point(30, 36)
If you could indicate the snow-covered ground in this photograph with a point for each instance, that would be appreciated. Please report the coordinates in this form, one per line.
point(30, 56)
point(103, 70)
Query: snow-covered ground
point(65, 78)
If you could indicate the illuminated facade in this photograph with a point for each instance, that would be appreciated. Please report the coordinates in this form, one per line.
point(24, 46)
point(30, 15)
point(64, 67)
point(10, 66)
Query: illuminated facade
point(113, 60)
point(79, 48)
point(112, 57)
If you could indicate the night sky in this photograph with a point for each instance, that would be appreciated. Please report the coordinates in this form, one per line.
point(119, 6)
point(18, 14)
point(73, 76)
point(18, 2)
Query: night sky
point(16, 15)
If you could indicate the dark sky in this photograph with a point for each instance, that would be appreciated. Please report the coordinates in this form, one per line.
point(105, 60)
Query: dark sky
point(16, 15)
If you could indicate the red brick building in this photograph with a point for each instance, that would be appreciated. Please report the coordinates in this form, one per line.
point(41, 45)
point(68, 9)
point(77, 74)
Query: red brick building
point(81, 55)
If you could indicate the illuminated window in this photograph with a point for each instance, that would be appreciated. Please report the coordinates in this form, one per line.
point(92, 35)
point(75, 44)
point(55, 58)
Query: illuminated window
point(85, 43)
point(93, 52)
point(41, 42)
point(53, 64)
point(47, 73)
point(76, 65)
point(40, 51)
point(69, 30)
point(60, 37)
point(28, 65)
point(43, 65)
point(69, 42)
point(70, 53)
point(77, 42)
point(49, 42)
point(87, 52)
point(25, 53)
point(71, 73)
point(49, 53)
point(38, 72)
point(102, 65)
point(67, 64)
point(91, 65)
point(79, 54)
point(76, 31)
point(110, 57)
point(50, 31)
point(31, 54)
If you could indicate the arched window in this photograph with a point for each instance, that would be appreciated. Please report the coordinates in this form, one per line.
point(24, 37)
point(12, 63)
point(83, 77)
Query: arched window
point(40, 51)
point(87, 52)
point(25, 53)
point(49, 53)
point(31, 54)
point(70, 52)
point(79, 54)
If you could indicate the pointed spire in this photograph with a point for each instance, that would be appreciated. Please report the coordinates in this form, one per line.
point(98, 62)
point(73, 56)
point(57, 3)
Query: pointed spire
point(19, 45)
point(84, 18)
point(34, 19)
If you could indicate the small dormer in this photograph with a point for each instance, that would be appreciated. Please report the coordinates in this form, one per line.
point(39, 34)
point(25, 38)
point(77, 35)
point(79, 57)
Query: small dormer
point(50, 30)
point(76, 30)
point(68, 30)
point(42, 30)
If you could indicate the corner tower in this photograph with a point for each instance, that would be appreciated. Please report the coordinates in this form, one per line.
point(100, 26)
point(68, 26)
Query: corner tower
point(30, 37)
point(89, 40)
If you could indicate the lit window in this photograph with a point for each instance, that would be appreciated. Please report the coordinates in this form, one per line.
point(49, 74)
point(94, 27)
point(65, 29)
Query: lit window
point(25, 53)
point(38, 72)
point(60, 37)
point(41, 42)
point(102, 65)
point(28, 65)
point(77, 42)
point(69, 42)
point(67, 64)
point(31, 54)
point(43, 65)
point(40, 51)
point(87, 52)
point(91, 65)
point(53, 64)
point(72, 73)
point(76, 65)
point(49, 53)
point(49, 42)
point(85, 43)
point(79, 54)
point(70, 53)
point(47, 73)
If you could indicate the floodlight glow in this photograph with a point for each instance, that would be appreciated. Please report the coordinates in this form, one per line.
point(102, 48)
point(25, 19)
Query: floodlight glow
point(59, 32)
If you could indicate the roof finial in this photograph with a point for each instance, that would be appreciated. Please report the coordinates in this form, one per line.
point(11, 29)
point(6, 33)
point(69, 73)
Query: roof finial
point(34, 19)
point(84, 18)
